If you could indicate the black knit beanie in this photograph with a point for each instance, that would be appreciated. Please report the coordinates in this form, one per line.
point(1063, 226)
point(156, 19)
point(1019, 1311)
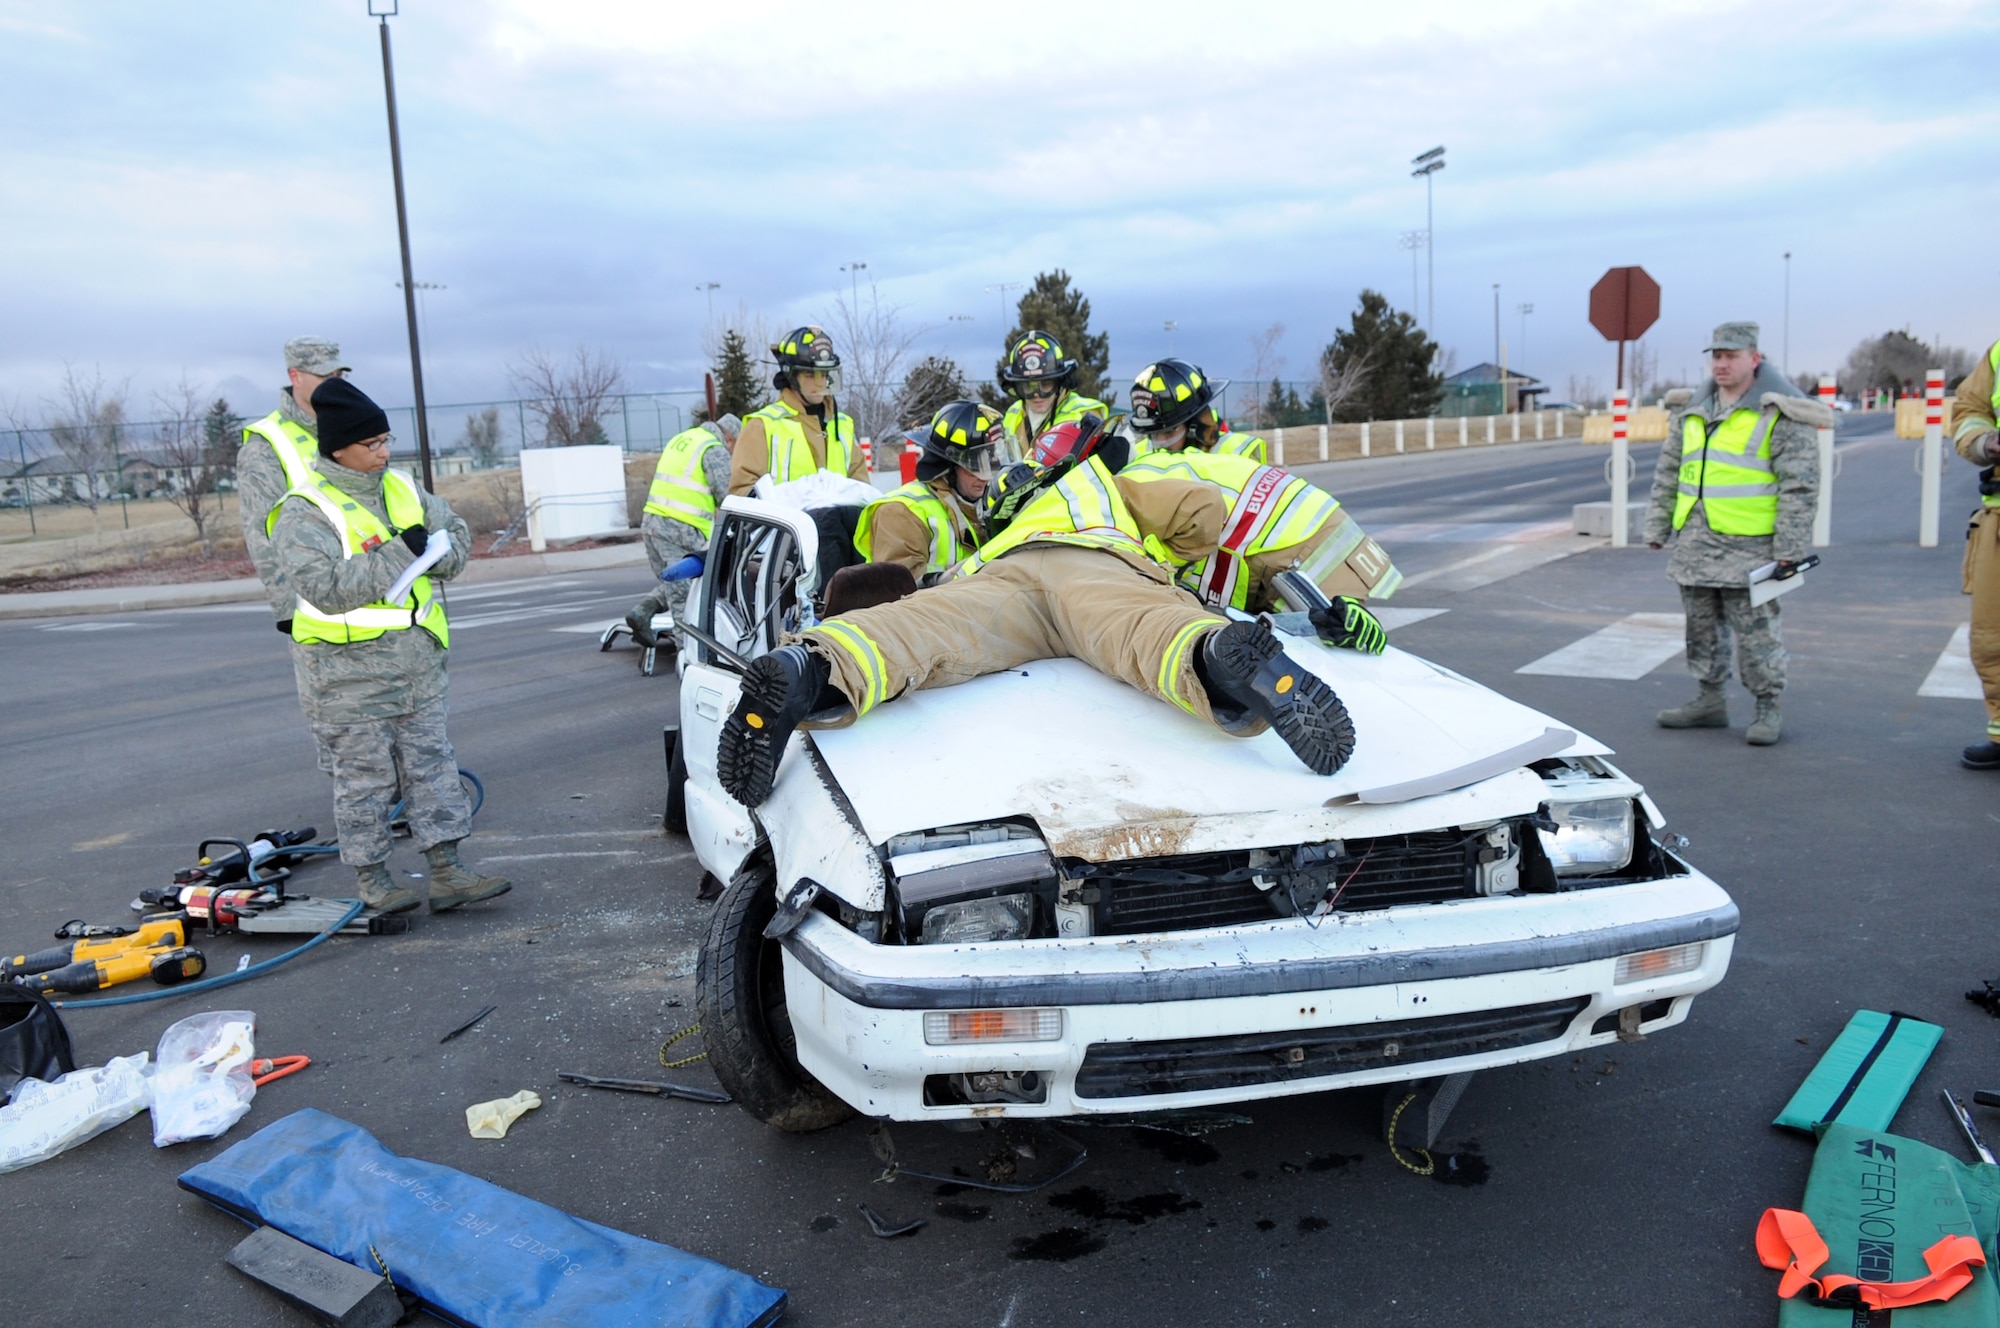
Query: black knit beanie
point(346, 416)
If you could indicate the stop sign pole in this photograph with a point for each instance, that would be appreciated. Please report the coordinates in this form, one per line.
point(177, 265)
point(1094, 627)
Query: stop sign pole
point(1623, 304)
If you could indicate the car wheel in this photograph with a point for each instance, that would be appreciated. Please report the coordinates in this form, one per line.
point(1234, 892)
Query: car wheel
point(741, 990)
point(676, 815)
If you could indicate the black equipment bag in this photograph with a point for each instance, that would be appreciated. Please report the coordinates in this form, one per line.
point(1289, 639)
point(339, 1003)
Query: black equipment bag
point(33, 1042)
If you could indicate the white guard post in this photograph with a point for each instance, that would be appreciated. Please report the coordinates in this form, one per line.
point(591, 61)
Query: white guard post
point(1621, 470)
point(1931, 459)
point(1823, 518)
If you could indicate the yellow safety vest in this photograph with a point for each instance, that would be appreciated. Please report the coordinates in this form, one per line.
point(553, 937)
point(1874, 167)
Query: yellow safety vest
point(295, 447)
point(1084, 508)
point(1245, 445)
point(791, 456)
point(1269, 509)
point(1069, 406)
point(358, 527)
point(1992, 358)
point(680, 489)
point(1727, 469)
point(923, 500)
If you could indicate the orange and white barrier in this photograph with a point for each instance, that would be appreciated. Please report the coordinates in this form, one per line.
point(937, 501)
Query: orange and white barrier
point(1621, 469)
point(1823, 518)
point(1930, 459)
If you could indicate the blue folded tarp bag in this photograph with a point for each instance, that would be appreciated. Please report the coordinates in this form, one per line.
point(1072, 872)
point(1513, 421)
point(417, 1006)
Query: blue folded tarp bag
point(476, 1254)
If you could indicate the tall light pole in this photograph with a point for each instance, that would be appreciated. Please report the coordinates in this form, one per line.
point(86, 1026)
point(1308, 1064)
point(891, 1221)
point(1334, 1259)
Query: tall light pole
point(1003, 288)
point(854, 282)
point(386, 10)
point(1413, 241)
point(424, 302)
point(1429, 164)
point(1496, 325)
point(1173, 326)
point(709, 288)
point(1786, 358)
point(1524, 310)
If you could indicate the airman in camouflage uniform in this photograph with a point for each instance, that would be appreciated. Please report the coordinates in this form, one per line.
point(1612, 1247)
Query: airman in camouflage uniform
point(1712, 569)
point(260, 477)
point(668, 539)
point(377, 705)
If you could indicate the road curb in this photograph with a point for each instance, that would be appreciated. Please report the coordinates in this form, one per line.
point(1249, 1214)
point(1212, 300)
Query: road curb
point(197, 594)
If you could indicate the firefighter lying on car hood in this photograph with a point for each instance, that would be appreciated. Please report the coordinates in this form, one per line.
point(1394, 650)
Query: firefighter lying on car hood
point(1079, 561)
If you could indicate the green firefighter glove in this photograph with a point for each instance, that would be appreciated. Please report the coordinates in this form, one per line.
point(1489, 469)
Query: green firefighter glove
point(1348, 625)
point(1011, 490)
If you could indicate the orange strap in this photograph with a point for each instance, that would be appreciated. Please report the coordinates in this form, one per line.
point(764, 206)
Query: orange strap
point(276, 1067)
point(1788, 1240)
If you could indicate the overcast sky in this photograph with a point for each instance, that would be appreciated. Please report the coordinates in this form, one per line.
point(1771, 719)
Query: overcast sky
point(189, 184)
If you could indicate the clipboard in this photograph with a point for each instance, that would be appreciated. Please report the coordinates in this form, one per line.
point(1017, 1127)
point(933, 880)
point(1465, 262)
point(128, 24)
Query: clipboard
point(1765, 585)
point(435, 548)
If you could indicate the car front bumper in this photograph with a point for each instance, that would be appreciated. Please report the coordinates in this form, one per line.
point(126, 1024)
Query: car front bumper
point(1234, 1014)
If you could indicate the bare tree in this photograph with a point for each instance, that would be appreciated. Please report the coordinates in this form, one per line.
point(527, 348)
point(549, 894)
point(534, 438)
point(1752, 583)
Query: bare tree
point(568, 397)
point(482, 438)
point(933, 381)
point(84, 424)
point(1343, 382)
point(1265, 365)
point(188, 454)
point(873, 342)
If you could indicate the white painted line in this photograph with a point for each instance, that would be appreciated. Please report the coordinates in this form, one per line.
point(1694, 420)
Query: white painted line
point(571, 853)
point(84, 626)
point(589, 628)
point(540, 611)
point(1463, 563)
point(1628, 649)
point(1394, 618)
point(494, 589)
point(1953, 675)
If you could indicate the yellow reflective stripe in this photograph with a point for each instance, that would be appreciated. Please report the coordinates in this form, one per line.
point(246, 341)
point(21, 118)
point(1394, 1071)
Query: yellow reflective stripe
point(781, 424)
point(1175, 656)
point(1320, 563)
point(294, 446)
point(928, 507)
point(866, 655)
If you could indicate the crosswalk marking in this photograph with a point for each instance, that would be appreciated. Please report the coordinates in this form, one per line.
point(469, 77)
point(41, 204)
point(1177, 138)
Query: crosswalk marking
point(1953, 675)
point(1628, 649)
point(595, 628)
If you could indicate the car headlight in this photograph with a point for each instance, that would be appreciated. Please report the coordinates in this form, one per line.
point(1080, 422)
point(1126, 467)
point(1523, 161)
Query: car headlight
point(1590, 837)
point(1000, 918)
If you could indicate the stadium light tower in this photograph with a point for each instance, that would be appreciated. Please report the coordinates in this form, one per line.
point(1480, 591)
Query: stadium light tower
point(1428, 164)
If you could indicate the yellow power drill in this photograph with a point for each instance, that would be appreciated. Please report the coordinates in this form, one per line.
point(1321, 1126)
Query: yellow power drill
point(158, 950)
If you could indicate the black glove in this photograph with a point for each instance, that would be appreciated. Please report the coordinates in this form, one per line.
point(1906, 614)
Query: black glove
point(1011, 490)
point(1348, 625)
point(284, 625)
point(416, 537)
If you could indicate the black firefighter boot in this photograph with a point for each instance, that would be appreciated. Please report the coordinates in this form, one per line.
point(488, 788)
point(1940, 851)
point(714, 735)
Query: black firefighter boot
point(1247, 674)
point(1985, 756)
point(453, 883)
point(780, 689)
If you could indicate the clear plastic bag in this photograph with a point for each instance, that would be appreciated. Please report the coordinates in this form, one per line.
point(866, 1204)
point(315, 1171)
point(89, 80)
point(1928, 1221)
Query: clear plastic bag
point(46, 1118)
point(202, 1084)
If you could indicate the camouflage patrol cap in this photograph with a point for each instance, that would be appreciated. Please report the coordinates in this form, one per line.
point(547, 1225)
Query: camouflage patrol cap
point(314, 355)
point(1733, 336)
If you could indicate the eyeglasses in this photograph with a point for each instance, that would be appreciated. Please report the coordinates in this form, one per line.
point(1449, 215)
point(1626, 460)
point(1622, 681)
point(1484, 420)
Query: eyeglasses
point(382, 444)
point(1040, 388)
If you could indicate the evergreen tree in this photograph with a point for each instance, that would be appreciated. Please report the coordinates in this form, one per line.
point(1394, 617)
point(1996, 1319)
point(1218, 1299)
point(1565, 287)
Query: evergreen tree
point(1051, 306)
point(932, 382)
point(1379, 368)
point(739, 389)
point(221, 432)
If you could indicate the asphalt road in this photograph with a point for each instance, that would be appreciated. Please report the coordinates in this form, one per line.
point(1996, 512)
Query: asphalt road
point(1621, 1187)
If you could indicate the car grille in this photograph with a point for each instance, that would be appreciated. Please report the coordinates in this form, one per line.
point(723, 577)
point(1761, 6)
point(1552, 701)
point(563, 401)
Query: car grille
point(1194, 1065)
point(1214, 890)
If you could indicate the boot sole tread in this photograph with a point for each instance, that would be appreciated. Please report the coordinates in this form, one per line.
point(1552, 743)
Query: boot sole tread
point(746, 759)
point(1312, 719)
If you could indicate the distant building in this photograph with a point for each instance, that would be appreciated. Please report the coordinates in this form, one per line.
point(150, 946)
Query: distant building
point(1483, 390)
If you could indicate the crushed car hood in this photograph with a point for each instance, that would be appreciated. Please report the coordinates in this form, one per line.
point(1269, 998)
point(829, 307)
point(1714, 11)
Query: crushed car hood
point(1108, 772)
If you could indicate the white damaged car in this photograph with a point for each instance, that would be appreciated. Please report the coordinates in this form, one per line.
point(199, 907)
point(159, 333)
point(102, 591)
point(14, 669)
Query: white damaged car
point(1042, 893)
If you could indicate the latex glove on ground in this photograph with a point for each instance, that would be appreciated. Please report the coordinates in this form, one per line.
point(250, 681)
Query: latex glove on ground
point(489, 1120)
point(1346, 624)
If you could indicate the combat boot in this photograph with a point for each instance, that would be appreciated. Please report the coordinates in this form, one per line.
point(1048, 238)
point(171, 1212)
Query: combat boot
point(1710, 710)
point(453, 883)
point(380, 892)
point(1247, 675)
point(779, 690)
point(641, 623)
point(1764, 729)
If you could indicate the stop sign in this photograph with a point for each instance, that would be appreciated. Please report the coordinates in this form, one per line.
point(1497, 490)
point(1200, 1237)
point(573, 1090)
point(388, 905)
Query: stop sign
point(1624, 303)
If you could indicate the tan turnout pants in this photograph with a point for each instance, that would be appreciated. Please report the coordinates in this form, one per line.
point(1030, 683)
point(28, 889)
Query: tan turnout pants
point(1043, 601)
point(1982, 582)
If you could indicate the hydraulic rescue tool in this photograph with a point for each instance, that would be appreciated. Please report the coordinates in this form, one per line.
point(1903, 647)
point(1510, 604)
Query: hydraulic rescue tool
point(244, 891)
point(158, 949)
